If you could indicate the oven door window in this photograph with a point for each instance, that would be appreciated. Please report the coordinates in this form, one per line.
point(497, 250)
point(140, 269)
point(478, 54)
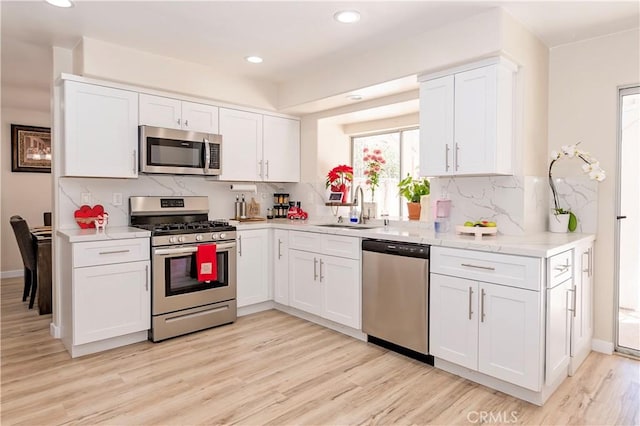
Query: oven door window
point(175, 153)
point(181, 275)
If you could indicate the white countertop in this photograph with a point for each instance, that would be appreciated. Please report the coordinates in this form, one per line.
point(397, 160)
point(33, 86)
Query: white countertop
point(543, 244)
point(77, 235)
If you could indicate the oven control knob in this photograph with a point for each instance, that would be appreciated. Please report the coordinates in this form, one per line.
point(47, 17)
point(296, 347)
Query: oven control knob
point(222, 236)
point(214, 236)
point(199, 237)
point(173, 240)
point(181, 239)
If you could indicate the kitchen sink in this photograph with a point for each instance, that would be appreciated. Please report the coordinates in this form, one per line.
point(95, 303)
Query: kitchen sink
point(346, 226)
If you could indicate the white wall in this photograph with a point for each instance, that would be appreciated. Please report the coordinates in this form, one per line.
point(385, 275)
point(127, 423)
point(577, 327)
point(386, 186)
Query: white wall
point(583, 96)
point(462, 41)
point(24, 194)
point(98, 59)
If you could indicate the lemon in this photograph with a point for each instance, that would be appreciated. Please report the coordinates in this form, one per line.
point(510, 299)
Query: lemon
point(467, 223)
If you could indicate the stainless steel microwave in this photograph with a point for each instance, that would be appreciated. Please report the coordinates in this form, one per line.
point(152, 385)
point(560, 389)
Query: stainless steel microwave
point(179, 152)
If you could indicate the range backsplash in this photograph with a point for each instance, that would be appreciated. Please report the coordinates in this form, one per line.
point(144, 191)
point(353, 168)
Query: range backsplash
point(221, 197)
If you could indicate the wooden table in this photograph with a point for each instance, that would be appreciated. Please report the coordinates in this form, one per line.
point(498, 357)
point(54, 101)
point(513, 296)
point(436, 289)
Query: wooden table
point(42, 243)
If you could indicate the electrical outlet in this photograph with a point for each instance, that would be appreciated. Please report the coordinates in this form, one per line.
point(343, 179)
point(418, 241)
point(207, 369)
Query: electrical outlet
point(85, 198)
point(116, 199)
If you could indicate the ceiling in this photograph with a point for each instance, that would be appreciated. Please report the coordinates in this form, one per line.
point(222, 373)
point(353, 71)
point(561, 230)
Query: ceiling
point(293, 37)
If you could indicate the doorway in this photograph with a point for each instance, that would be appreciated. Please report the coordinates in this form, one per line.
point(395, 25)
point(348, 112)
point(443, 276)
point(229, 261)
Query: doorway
point(628, 223)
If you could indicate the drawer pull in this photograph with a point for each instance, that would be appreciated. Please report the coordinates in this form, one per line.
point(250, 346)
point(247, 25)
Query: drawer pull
point(115, 251)
point(469, 265)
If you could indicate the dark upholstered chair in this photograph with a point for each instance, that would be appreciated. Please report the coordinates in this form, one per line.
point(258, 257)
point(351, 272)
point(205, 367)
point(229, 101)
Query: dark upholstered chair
point(46, 216)
point(27, 250)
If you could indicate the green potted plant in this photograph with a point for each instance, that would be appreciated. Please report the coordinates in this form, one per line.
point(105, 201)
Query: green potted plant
point(413, 189)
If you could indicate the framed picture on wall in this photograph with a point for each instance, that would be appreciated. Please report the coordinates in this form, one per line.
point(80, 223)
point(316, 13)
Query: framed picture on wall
point(30, 149)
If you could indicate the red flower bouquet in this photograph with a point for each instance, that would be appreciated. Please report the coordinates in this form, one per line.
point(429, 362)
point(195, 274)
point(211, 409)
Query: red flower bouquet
point(339, 179)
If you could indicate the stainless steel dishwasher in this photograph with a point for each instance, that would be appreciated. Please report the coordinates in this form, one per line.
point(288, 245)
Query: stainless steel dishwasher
point(395, 296)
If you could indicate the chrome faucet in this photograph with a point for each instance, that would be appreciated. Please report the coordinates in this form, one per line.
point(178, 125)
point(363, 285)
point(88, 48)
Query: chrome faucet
point(359, 200)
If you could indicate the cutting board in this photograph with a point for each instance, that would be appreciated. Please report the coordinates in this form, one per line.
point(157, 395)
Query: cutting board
point(251, 219)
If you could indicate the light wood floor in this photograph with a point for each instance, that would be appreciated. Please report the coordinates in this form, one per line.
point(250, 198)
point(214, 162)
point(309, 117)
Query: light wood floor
point(271, 368)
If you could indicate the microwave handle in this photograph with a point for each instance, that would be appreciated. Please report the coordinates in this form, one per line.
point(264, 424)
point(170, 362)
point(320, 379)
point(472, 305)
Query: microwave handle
point(207, 156)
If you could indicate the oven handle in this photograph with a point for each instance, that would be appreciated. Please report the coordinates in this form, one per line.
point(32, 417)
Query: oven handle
point(191, 249)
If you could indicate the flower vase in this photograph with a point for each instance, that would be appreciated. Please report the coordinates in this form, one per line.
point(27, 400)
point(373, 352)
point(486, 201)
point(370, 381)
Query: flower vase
point(369, 210)
point(558, 222)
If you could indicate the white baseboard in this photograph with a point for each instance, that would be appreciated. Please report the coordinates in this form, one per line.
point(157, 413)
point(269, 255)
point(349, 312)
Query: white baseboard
point(602, 346)
point(12, 274)
point(54, 331)
point(258, 307)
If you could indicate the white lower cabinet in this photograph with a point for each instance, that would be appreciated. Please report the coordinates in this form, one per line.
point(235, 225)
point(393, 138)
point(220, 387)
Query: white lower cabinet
point(581, 312)
point(486, 327)
point(105, 293)
point(494, 329)
point(252, 266)
point(324, 284)
point(110, 301)
point(305, 291)
point(281, 266)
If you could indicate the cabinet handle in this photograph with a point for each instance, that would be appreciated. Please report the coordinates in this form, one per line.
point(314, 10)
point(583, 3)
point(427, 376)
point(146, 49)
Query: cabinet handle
point(114, 251)
point(469, 265)
point(315, 266)
point(240, 245)
point(260, 168)
point(279, 248)
point(267, 175)
point(146, 278)
point(573, 301)
point(457, 156)
point(590, 261)
point(135, 157)
point(178, 121)
point(321, 276)
point(470, 294)
point(482, 293)
point(446, 157)
point(564, 267)
point(186, 123)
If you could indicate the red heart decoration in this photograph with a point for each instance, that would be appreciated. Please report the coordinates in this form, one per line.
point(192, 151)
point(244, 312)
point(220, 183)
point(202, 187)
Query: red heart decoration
point(97, 210)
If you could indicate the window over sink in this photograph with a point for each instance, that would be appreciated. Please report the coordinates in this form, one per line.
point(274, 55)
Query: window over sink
point(399, 151)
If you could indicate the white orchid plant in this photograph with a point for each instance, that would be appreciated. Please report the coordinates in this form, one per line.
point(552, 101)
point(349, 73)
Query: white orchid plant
point(591, 166)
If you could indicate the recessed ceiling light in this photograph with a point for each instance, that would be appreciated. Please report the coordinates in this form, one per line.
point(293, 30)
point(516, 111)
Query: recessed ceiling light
point(60, 3)
point(347, 16)
point(254, 59)
point(355, 97)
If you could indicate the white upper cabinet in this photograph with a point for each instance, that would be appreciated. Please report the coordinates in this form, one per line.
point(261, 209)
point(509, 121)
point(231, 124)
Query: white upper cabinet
point(241, 145)
point(259, 147)
point(436, 126)
point(100, 131)
point(159, 111)
point(281, 149)
point(466, 121)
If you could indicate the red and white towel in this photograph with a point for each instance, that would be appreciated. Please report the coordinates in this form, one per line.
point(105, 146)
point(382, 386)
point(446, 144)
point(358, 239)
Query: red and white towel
point(206, 262)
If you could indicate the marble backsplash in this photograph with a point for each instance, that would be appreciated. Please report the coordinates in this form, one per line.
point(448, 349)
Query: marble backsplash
point(518, 204)
point(221, 197)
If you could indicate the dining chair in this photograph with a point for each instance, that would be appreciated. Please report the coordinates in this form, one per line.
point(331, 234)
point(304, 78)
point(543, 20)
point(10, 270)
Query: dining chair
point(28, 253)
point(46, 217)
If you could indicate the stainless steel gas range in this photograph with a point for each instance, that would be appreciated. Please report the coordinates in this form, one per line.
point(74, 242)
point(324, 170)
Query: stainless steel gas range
point(180, 303)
